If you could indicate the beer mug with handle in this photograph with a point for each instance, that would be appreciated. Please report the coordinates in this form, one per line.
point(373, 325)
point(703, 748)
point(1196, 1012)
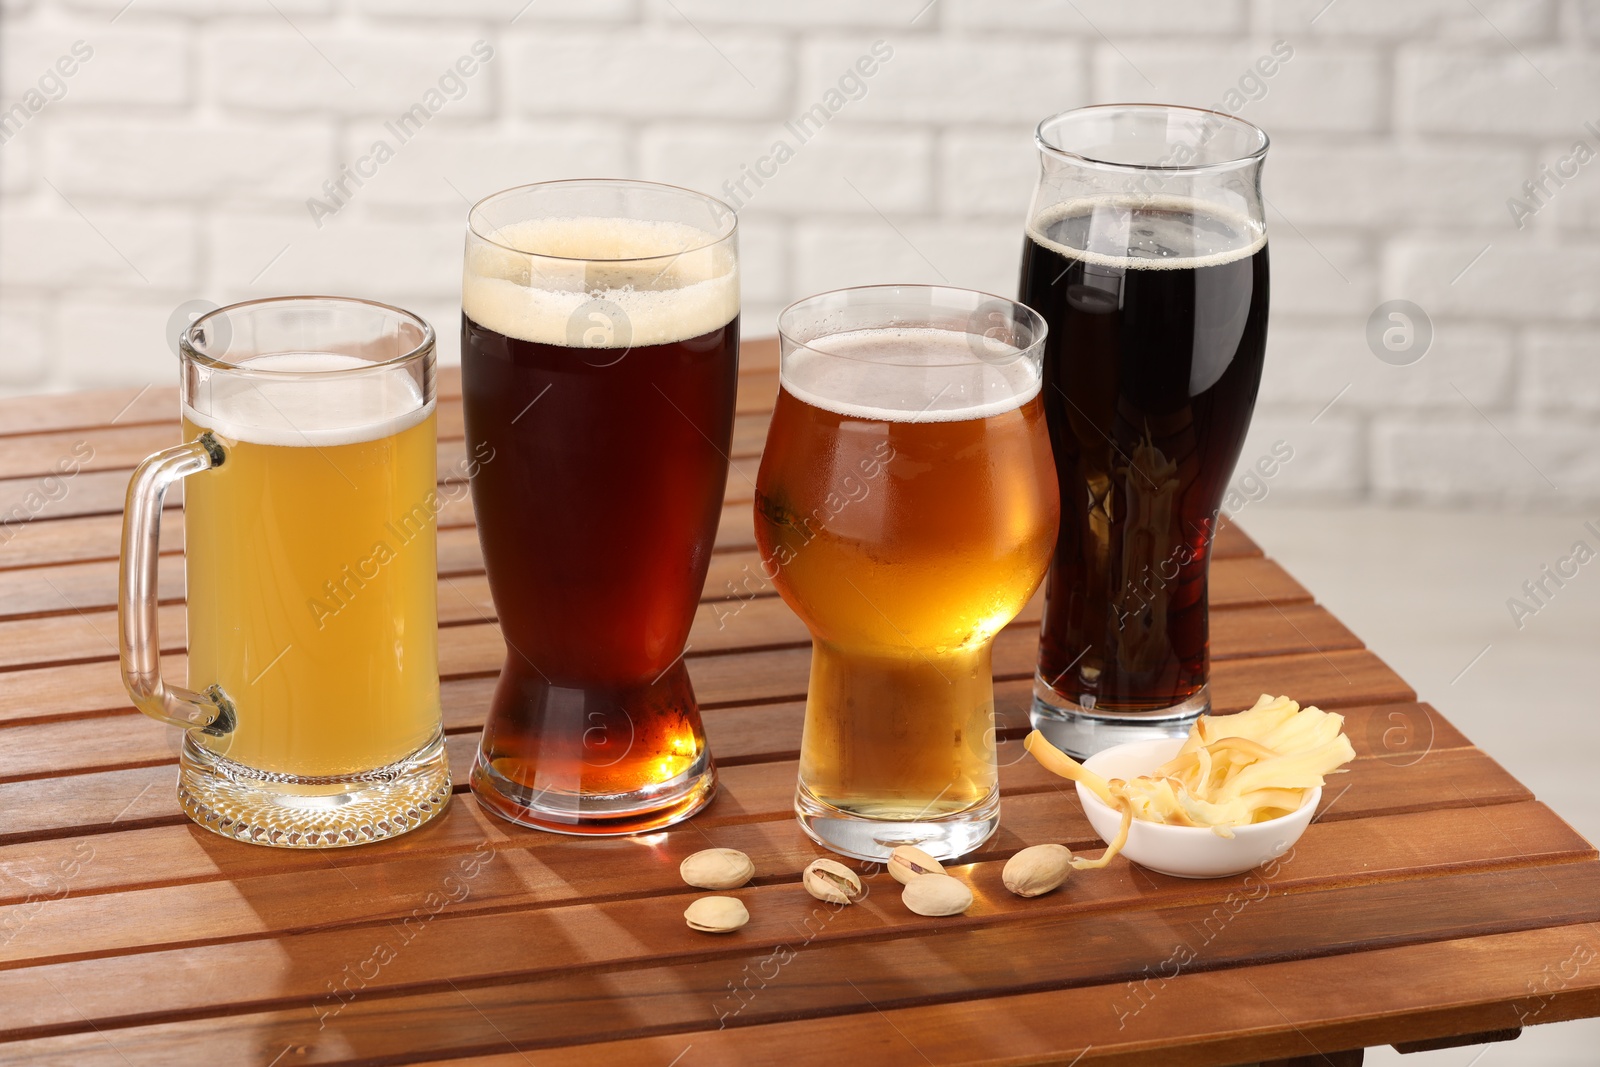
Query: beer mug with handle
point(312, 712)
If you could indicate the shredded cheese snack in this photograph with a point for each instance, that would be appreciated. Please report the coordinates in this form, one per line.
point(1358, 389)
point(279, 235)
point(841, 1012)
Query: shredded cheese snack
point(1232, 770)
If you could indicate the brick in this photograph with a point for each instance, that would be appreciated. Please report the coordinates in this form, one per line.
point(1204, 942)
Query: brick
point(1318, 273)
point(64, 249)
point(393, 261)
point(1462, 457)
point(1317, 88)
point(1393, 187)
point(480, 160)
point(113, 340)
point(19, 162)
point(648, 72)
point(24, 341)
point(500, 13)
point(139, 9)
point(835, 14)
point(177, 159)
point(1329, 455)
point(1308, 365)
point(1520, 20)
point(764, 254)
point(147, 63)
point(829, 255)
point(987, 172)
point(892, 169)
point(1519, 280)
point(268, 65)
point(1571, 206)
point(1493, 91)
point(1562, 369)
point(949, 81)
point(1111, 17)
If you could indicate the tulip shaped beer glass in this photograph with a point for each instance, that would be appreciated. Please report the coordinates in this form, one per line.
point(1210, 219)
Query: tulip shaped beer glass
point(599, 361)
point(905, 509)
point(309, 506)
point(1146, 251)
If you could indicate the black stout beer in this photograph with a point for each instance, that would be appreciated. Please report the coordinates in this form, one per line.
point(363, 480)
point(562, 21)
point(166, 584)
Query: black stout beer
point(608, 416)
point(1157, 308)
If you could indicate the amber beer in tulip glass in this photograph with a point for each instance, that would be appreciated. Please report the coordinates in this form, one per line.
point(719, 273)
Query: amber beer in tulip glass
point(310, 503)
point(905, 509)
point(599, 361)
point(1146, 251)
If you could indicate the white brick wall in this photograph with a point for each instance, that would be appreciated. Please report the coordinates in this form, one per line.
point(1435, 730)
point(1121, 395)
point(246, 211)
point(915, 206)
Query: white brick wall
point(178, 161)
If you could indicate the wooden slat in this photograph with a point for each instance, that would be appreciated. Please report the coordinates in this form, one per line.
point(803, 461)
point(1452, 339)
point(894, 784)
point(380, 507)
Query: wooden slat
point(972, 956)
point(489, 944)
point(761, 621)
point(119, 804)
point(1401, 734)
point(471, 648)
point(1203, 1018)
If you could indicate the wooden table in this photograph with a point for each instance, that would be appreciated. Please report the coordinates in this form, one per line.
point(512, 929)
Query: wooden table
point(1433, 898)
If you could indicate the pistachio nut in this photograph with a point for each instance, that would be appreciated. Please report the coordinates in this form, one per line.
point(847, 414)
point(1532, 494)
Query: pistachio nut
point(717, 868)
point(937, 894)
point(908, 862)
point(832, 881)
point(716, 915)
point(1037, 869)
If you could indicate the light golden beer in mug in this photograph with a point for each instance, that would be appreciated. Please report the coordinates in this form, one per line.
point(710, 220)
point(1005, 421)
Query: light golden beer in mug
point(906, 508)
point(310, 508)
point(316, 618)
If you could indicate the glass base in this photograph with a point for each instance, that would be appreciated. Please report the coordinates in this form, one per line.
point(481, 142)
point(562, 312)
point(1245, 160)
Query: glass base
point(288, 811)
point(1081, 732)
point(597, 814)
point(946, 837)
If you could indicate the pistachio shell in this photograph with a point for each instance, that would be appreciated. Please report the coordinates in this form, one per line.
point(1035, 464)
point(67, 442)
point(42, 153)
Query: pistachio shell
point(1037, 869)
point(937, 894)
point(908, 861)
point(832, 881)
point(716, 915)
point(717, 868)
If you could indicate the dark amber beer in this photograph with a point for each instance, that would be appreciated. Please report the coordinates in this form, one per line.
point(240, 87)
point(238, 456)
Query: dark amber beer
point(907, 508)
point(1154, 281)
point(599, 365)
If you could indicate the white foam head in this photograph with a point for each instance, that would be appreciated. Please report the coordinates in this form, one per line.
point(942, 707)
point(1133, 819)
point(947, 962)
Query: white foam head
point(1147, 232)
point(305, 409)
point(921, 374)
point(659, 282)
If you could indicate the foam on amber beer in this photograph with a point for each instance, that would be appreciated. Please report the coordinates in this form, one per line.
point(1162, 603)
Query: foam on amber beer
point(599, 360)
point(310, 559)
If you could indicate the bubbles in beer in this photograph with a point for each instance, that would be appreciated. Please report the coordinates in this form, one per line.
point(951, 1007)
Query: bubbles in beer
point(920, 374)
point(666, 281)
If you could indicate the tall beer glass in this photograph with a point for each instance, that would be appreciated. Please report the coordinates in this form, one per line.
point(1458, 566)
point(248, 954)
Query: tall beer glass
point(905, 509)
point(309, 558)
point(1146, 251)
point(599, 359)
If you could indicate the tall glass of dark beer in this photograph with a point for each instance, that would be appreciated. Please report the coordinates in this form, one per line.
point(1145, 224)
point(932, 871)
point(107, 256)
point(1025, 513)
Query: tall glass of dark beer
point(599, 361)
point(1146, 252)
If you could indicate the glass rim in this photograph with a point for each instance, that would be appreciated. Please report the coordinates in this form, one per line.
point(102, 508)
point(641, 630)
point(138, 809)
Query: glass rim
point(421, 349)
point(718, 208)
point(1021, 312)
point(1050, 148)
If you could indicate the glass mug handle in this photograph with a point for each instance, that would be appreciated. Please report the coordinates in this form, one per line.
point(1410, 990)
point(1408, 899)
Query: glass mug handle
point(210, 711)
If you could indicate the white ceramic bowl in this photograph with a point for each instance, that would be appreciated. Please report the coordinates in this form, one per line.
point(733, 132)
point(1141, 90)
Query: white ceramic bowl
point(1186, 851)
